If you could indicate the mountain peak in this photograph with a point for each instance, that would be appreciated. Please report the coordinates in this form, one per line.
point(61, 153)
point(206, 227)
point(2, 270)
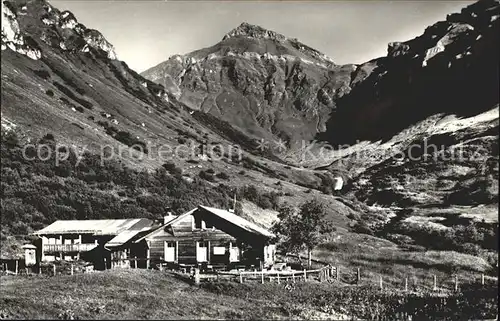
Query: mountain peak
point(246, 29)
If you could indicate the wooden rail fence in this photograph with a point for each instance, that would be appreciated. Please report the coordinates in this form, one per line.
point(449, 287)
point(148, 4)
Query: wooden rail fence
point(322, 274)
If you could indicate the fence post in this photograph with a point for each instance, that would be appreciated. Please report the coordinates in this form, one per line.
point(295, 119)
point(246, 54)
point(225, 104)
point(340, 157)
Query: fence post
point(305, 275)
point(40, 268)
point(71, 269)
point(17, 266)
point(293, 277)
point(381, 285)
point(105, 264)
point(358, 276)
point(456, 282)
point(337, 272)
point(135, 262)
point(406, 284)
point(434, 287)
point(241, 278)
point(197, 276)
point(278, 274)
point(262, 277)
point(54, 268)
point(482, 279)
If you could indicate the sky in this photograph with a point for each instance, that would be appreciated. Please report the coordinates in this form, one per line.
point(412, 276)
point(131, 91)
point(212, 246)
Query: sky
point(145, 32)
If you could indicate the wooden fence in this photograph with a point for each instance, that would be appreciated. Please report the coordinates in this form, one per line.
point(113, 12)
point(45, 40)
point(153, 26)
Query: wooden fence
point(330, 273)
point(321, 274)
point(50, 269)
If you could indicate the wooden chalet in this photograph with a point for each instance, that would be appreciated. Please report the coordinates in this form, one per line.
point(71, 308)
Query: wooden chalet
point(207, 237)
point(99, 241)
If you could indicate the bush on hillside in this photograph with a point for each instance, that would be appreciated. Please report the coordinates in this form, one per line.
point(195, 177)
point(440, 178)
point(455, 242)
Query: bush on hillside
point(222, 175)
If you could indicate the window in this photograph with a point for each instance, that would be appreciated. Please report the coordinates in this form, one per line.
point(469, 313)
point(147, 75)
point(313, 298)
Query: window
point(202, 243)
point(219, 250)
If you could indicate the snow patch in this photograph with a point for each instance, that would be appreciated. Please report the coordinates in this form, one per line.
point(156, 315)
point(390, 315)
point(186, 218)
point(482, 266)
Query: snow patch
point(452, 123)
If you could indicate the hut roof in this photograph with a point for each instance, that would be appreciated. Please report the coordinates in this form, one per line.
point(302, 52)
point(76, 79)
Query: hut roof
point(95, 227)
point(225, 215)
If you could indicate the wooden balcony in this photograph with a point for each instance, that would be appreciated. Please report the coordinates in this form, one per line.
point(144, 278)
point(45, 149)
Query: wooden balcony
point(50, 248)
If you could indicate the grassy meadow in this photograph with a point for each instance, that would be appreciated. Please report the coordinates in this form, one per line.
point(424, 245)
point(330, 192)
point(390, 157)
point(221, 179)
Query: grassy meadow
point(152, 294)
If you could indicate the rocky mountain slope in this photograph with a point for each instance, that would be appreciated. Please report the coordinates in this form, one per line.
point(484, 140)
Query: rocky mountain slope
point(430, 109)
point(62, 82)
point(270, 86)
point(267, 85)
point(60, 77)
point(451, 68)
point(419, 127)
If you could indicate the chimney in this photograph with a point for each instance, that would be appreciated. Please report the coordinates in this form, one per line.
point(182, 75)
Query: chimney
point(231, 210)
point(167, 218)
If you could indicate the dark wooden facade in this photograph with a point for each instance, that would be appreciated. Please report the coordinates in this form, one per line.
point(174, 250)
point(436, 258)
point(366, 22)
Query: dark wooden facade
point(200, 237)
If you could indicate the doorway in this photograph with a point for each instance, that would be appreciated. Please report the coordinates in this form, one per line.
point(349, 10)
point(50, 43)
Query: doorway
point(202, 251)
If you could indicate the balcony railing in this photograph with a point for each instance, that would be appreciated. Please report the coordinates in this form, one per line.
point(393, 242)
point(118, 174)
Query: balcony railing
point(68, 247)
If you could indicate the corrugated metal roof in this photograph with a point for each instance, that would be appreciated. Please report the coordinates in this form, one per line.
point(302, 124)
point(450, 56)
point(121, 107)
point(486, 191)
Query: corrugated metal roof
point(121, 238)
point(238, 220)
point(96, 227)
point(127, 235)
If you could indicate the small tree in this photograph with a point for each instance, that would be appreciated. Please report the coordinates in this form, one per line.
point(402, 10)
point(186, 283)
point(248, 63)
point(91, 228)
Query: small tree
point(303, 229)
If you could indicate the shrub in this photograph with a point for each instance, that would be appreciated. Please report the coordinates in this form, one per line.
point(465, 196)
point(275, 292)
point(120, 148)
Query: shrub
point(10, 139)
point(47, 137)
point(207, 176)
point(169, 166)
point(222, 175)
point(127, 139)
point(362, 228)
point(42, 73)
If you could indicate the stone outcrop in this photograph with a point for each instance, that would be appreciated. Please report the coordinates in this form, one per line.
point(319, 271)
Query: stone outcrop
point(12, 37)
point(451, 68)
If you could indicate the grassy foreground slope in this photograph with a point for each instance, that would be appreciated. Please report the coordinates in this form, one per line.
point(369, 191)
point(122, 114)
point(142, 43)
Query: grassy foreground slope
point(128, 294)
point(143, 294)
